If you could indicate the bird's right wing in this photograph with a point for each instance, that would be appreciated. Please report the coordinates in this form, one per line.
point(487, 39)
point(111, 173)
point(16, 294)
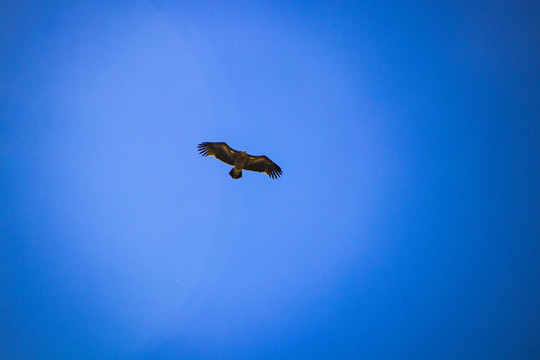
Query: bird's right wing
point(220, 150)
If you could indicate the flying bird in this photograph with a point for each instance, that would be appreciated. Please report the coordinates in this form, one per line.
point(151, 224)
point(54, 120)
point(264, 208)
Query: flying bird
point(239, 159)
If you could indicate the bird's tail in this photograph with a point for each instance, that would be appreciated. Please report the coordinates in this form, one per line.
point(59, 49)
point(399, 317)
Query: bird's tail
point(236, 174)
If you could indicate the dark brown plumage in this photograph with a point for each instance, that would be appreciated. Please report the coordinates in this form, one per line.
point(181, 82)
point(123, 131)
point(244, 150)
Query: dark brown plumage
point(240, 160)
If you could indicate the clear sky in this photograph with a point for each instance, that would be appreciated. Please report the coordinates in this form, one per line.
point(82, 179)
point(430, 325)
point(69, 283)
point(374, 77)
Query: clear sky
point(406, 224)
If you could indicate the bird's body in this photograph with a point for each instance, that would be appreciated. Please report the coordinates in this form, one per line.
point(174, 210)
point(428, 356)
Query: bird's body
point(239, 163)
point(240, 160)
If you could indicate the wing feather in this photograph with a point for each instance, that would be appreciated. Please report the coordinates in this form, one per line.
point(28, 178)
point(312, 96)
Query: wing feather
point(263, 164)
point(220, 150)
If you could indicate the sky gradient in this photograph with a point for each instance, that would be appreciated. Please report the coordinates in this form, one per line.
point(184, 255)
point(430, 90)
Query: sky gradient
point(405, 225)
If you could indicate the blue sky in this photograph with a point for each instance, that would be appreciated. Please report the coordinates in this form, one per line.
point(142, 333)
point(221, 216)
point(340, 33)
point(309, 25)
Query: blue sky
point(405, 224)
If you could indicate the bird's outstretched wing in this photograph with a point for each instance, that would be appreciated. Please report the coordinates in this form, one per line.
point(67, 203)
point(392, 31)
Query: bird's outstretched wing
point(220, 150)
point(263, 164)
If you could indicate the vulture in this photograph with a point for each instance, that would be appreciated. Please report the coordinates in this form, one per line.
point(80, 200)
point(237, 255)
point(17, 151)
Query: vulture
point(240, 160)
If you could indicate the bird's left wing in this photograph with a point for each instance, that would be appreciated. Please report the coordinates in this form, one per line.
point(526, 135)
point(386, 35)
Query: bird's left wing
point(263, 164)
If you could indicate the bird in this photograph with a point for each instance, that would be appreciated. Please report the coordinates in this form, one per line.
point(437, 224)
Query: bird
point(240, 160)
